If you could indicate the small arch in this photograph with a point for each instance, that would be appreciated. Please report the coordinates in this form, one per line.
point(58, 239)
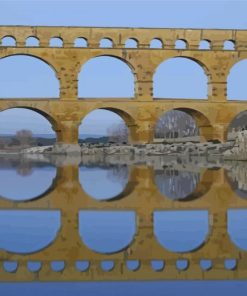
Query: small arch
point(80, 42)
point(237, 227)
point(56, 42)
point(16, 235)
point(205, 44)
point(8, 41)
point(181, 78)
point(181, 231)
point(107, 232)
point(32, 41)
point(106, 77)
point(106, 43)
point(236, 81)
point(156, 43)
point(181, 44)
point(229, 45)
point(131, 43)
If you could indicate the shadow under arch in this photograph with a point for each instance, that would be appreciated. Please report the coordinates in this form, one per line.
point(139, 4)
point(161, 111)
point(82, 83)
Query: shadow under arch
point(123, 62)
point(181, 231)
point(107, 232)
point(19, 229)
point(43, 62)
point(195, 62)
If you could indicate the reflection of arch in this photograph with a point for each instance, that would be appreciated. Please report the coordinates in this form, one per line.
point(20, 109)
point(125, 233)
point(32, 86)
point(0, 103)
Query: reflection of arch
point(201, 187)
point(181, 231)
point(38, 67)
point(107, 231)
point(177, 78)
point(104, 76)
point(28, 231)
point(128, 186)
point(236, 81)
point(237, 227)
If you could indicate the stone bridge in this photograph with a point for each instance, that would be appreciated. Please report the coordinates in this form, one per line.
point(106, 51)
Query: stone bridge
point(212, 115)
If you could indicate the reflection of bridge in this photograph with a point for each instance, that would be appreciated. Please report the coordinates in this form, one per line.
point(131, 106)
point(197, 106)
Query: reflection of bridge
point(141, 195)
point(142, 112)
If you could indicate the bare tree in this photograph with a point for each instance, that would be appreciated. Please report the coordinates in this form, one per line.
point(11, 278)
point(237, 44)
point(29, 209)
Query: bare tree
point(118, 133)
point(176, 124)
point(25, 137)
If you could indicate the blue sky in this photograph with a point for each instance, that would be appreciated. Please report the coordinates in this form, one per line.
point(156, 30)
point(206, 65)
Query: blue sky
point(174, 14)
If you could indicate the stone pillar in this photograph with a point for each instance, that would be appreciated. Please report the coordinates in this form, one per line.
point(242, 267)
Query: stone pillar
point(142, 133)
point(144, 90)
point(217, 91)
point(68, 78)
point(67, 137)
point(216, 132)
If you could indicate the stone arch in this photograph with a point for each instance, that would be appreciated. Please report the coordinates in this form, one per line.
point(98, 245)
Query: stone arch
point(101, 65)
point(50, 118)
point(194, 72)
point(236, 81)
point(127, 118)
point(40, 62)
point(202, 121)
point(8, 40)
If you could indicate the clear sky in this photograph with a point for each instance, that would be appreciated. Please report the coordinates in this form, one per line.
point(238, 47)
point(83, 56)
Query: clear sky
point(138, 13)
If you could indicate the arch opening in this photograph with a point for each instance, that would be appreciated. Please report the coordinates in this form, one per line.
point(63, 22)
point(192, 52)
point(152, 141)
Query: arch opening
point(156, 43)
point(8, 41)
point(32, 41)
point(24, 76)
point(106, 77)
point(236, 82)
point(205, 45)
point(180, 78)
point(56, 42)
point(181, 44)
point(181, 231)
point(106, 43)
point(107, 231)
point(80, 42)
point(131, 43)
point(229, 45)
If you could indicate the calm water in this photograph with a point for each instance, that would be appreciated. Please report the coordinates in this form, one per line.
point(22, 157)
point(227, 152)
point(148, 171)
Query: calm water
point(28, 231)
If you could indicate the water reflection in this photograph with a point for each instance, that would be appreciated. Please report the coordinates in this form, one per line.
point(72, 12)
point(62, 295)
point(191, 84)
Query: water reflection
point(237, 227)
point(175, 184)
point(27, 231)
point(237, 177)
point(24, 180)
point(181, 231)
point(107, 231)
point(104, 182)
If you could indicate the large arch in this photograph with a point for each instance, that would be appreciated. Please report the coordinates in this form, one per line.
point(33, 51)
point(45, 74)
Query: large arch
point(27, 76)
point(119, 116)
point(236, 81)
point(106, 77)
point(180, 77)
point(202, 122)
